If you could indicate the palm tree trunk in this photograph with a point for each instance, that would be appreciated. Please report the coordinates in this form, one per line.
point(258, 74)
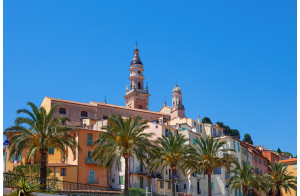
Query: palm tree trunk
point(173, 182)
point(209, 183)
point(246, 192)
point(126, 189)
point(43, 171)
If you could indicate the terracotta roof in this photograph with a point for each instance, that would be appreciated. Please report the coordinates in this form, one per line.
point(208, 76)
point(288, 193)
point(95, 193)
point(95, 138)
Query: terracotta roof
point(288, 160)
point(59, 165)
point(132, 109)
point(94, 104)
point(73, 102)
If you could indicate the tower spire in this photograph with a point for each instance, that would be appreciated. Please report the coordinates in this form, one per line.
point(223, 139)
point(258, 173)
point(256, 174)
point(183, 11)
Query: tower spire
point(137, 96)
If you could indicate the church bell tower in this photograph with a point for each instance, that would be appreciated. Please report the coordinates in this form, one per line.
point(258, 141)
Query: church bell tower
point(136, 96)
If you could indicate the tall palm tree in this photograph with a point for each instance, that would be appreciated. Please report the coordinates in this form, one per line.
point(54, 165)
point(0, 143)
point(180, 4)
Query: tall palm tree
point(171, 152)
point(244, 178)
point(279, 178)
point(124, 138)
point(209, 156)
point(37, 132)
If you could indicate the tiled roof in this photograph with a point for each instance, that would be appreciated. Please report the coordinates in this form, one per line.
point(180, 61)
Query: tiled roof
point(288, 160)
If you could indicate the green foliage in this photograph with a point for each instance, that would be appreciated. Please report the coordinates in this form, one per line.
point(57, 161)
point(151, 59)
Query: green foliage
point(29, 170)
point(171, 152)
point(24, 188)
point(124, 138)
point(279, 178)
point(244, 179)
point(278, 150)
point(228, 131)
point(37, 132)
point(248, 139)
point(135, 191)
point(288, 154)
point(208, 157)
point(206, 120)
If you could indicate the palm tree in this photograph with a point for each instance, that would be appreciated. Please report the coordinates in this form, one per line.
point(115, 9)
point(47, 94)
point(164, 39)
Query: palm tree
point(279, 178)
point(171, 152)
point(244, 178)
point(37, 132)
point(124, 138)
point(209, 156)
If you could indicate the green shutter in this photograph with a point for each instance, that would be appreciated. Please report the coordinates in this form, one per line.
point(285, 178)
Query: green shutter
point(212, 186)
point(184, 186)
point(113, 180)
point(234, 144)
point(51, 150)
point(120, 179)
point(141, 182)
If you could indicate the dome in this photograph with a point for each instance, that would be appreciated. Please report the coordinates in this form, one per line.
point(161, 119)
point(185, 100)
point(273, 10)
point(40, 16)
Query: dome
point(177, 89)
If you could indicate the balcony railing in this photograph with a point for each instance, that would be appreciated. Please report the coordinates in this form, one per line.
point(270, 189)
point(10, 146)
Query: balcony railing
point(91, 161)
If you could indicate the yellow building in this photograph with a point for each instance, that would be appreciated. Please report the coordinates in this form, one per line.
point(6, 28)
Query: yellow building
point(291, 165)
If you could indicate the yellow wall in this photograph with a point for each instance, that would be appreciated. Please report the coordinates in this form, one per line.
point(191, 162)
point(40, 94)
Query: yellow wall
point(293, 171)
point(71, 173)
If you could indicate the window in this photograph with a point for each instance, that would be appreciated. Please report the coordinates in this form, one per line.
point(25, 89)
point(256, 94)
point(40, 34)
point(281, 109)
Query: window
point(167, 132)
point(89, 155)
point(295, 166)
point(194, 141)
point(260, 171)
point(121, 180)
point(237, 159)
point(140, 107)
point(170, 174)
point(259, 160)
point(169, 185)
point(139, 72)
point(212, 186)
point(113, 180)
point(62, 110)
point(214, 131)
point(161, 184)
point(200, 128)
point(184, 186)
point(90, 139)
point(105, 117)
point(218, 170)
point(198, 188)
point(234, 144)
point(63, 172)
point(195, 124)
point(139, 85)
point(238, 146)
point(220, 133)
point(51, 150)
point(120, 166)
point(141, 182)
point(84, 114)
point(92, 176)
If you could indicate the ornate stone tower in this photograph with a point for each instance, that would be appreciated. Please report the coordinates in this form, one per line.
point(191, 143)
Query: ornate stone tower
point(177, 106)
point(136, 96)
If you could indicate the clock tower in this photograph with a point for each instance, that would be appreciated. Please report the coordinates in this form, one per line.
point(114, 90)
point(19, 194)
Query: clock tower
point(136, 96)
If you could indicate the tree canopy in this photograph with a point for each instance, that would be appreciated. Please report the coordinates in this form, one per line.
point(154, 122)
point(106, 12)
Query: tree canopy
point(206, 120)
point(278, 150)
point(228, 131)
point(248, 139)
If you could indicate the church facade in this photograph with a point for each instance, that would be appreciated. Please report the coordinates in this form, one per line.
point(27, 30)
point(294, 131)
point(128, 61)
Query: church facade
point(91, 117)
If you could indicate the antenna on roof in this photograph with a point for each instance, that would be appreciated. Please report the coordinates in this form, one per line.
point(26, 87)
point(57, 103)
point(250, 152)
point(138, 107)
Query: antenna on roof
point(105, 99)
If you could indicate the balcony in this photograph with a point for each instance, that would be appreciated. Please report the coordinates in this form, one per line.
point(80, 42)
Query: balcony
point(90, 161)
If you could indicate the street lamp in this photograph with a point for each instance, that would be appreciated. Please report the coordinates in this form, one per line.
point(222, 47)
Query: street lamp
point(175, 179)
point(6, 143)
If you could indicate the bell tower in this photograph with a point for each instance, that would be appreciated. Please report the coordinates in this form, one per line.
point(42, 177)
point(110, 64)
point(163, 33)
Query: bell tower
point(177, 106)
point(136, 96)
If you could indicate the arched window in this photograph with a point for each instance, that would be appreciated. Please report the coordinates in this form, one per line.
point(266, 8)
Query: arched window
point(139, 85)
point(139, 72)
point(84, 114)
point(62, 110)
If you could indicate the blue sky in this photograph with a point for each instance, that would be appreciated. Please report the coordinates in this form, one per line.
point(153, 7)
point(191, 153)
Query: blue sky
point(235, 61)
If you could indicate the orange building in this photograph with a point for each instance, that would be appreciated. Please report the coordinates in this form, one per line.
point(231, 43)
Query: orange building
point(291, 165)
point(270, 155)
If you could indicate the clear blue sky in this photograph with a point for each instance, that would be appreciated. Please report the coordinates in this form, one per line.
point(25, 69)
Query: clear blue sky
point(235, 61)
